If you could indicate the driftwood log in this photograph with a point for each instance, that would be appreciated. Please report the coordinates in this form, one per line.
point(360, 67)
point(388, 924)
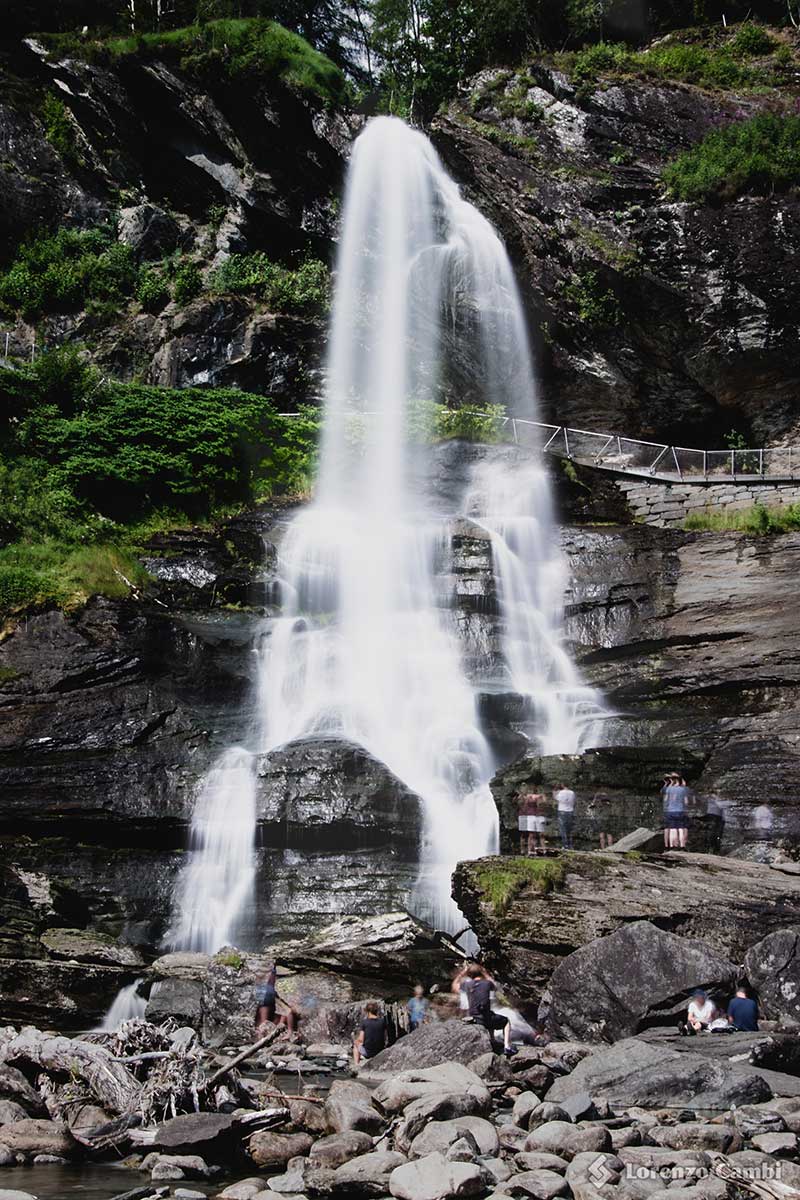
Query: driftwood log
point(742, 1179)
point(109, 1082)
point(243, 1054)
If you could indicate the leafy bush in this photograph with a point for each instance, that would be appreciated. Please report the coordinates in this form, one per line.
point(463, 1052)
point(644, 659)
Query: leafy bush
point(751, 40)
point(188, 283)
point(35, 503)
point(152, 290)
point(596, 305)
point(714, 66)
point(60, 131)
point(131, 449)
point(68, 270)
point(21, 587)
point(759, 155)
point(52, 573)
point(470, 423)
point(305, 290)
point(290, 460)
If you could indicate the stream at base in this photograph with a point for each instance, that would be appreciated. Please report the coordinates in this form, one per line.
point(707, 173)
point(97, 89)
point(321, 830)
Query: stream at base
point(65, 1182)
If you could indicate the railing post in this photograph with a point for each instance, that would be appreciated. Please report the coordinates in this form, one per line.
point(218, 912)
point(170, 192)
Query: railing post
point(514, 428)
point(705, 464)
point(566, 442)
point(761, 463)
point(733, 464)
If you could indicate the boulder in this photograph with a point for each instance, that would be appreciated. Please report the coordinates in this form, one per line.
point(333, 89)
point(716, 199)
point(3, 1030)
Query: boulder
point(179, 999)
point(635, 1072)
point(307, 1116)
point(696, 1135)
point(226, 1000)
point(10, 1112)
point(773, 969)
point(541, 1184)
point(31, 1137)
point(615, 985)
point(349, 1106)
point(439, 1136)
point(368, 1175)
point(270, 1150)
point(149, 231)
point(244, 1189)
point(547, 1111)
point(192, 1129)
point(780, 1144)
point(435, 1178)
point(523, 1107)
point(180, 1166)
point(339, 1148)
point(432, 1044)
point(399, 1091)
point(754, 1119)
point(440, 1106)
point(463, 1149)
point(15, 1086)
point(512, 1137)
point(539, 1160)
point(565, 1140)
point(181, 964)
point(86, 945)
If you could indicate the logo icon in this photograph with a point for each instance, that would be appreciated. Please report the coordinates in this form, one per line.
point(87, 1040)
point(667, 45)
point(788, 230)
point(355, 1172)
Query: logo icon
point(600, 1172)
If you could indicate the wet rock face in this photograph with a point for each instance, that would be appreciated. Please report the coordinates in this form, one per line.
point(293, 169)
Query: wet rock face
point(701, 332)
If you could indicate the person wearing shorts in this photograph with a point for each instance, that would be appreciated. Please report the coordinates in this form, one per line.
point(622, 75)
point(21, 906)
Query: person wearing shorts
point(531, 822)
point(676, 820)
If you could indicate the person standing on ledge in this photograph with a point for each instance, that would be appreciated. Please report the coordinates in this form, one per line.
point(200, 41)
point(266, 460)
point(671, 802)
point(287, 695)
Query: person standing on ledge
point(371, 1036)
point(676, 820)
point(417, 1008)
point(565, 809)
point(530, 821)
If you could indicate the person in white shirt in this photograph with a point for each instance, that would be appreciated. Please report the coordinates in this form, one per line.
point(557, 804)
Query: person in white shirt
point(565, 806)
point(700, 1013)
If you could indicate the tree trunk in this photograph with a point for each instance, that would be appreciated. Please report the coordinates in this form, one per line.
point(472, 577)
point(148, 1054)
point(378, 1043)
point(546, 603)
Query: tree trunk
point(111, 1084)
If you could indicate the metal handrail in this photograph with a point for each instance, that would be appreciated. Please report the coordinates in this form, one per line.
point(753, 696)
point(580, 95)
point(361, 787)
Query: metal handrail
point(564, 440)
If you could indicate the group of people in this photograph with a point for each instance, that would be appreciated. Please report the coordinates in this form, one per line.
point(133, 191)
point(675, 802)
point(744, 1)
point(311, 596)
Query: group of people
point(535, 809)
point(704, 1015)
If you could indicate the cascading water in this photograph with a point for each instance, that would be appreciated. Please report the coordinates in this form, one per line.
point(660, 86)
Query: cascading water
point(127, 1005)
point(366, 648)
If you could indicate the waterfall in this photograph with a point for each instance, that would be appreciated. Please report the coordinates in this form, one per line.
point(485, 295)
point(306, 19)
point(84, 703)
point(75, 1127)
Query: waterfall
point(126, 1005)
point(216, 885)
point(367, 648)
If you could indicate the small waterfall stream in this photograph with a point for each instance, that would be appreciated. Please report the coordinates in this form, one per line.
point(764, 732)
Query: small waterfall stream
point(365, 648)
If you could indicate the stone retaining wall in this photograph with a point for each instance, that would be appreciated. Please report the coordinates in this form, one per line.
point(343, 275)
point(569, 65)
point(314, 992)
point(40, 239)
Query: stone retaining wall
point(669, 504)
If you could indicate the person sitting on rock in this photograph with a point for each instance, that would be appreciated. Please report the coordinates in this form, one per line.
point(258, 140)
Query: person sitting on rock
point(371, 1036)
point(743, 1012)
point(266, 1001)
point(480, 986)
point(699, 1014)
point(417, 1008)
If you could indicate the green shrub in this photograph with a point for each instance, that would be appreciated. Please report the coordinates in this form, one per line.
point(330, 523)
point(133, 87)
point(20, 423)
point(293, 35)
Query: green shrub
point(152, 290)
point(60, 130)
point(304, 290)
point(596, 305)
point(470, 423)
point(599, 58)
point(751, 41)
point(188, 283)
point(289, 464)
point(223, 50)
point(69, 270)
point(21, 587)
point(36, 503)
point(759, 155)
point(713, 67)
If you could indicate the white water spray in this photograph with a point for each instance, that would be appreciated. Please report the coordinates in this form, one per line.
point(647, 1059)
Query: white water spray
point(366, 649)
point(126, 1005)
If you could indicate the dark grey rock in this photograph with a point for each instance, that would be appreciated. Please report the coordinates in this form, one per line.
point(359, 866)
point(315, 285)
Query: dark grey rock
point(773, 968)
point(149, 231)
point(618, 984)
point(179, 999)
point(432, 1044)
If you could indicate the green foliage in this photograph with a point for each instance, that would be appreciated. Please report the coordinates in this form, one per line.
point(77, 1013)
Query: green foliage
point(188, 283)
point(52, 573)
point(60, 130)
point(513, 143)
point(36, 503)
point(596, 305)
point(69, 270)
point(759, 155)
point(217, 51)
point(230, 958)
point(305, 290)
point(751, 41)
point(470, 423)
point(501, 882)
point(759, 519)
point(289, 463)
point(152, 290)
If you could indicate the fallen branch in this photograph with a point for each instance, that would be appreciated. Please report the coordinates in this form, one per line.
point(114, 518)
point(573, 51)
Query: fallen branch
point(742, 1177)
point(243, 1054)
point(109, 1082)
point(148, 1057)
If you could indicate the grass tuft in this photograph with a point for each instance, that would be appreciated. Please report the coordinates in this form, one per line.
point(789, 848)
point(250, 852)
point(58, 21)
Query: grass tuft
point(505, 879)
point(761, 155)
point(758, 519)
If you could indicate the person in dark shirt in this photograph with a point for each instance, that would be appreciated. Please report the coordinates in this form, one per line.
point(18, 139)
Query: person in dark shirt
point(371, 1036)
point(266, 1000)
point(480, 986)
point(743, 1012)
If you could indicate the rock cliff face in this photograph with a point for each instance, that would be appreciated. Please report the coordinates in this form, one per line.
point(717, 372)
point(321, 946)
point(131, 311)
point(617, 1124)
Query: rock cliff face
point(700, 331)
